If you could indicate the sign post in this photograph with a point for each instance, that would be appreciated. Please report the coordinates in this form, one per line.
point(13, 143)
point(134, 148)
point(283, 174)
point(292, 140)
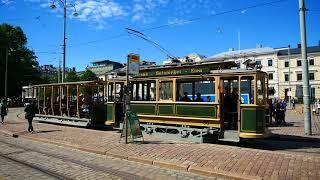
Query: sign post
point(133, 61)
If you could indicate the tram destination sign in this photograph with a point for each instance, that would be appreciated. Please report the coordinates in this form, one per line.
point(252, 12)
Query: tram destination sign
point(173, 72)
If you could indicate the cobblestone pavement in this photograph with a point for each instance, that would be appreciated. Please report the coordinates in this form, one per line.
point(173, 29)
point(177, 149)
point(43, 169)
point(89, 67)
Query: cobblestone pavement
point(10, 169)
point(67, 163)
point(285, 161)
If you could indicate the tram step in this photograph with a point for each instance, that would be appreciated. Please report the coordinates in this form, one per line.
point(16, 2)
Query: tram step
point(64, 122)
point(231, 136)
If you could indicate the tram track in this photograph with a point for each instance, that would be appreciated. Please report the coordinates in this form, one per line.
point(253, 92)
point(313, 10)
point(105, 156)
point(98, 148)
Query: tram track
point(96, 168)
point(29, 165)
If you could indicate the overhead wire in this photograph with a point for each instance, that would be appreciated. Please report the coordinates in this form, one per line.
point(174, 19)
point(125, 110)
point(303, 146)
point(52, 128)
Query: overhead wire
point(183, 22)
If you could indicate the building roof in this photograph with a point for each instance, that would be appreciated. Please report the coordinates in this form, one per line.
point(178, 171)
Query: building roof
point(243, 53)
point(104, 62)
point(311, 49)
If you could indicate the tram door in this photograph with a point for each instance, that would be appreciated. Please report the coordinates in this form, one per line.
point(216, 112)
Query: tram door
point(119, 102)
point(229, 103)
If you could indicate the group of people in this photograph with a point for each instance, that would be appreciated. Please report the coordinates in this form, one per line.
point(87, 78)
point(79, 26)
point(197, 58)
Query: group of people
point(316, 107)
point(277, 109)
point(185, 98)
point(30, 111)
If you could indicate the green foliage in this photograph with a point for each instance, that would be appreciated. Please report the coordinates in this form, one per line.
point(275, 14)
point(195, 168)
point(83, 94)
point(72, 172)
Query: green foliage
point(22, 64)
point(72, 77)
point(53, 79)
point(88, 76)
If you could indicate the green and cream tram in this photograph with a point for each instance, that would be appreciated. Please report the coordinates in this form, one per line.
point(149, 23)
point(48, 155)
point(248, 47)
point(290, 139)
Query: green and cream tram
point(73, 103)
point(198, 102)
point(194, 101)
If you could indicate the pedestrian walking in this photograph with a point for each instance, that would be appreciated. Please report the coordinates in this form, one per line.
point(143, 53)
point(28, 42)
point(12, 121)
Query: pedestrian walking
point(3, 110)
point(30, 113)
point(279, 113)
point(293, 103)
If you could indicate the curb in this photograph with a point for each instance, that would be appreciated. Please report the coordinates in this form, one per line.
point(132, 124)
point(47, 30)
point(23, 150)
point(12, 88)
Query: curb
point(141, 160)
point(159, 163)
point(170, 165)
point(120, 156)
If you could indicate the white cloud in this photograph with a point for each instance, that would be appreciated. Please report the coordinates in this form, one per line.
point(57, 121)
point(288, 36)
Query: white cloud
point(145, 10)
point(98, 12)
point(177, 21)
point(95, 12)
point(5, 2)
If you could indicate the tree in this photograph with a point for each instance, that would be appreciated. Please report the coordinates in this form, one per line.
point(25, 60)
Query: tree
point(72, 77)
point(88, 76)
point(23, 68)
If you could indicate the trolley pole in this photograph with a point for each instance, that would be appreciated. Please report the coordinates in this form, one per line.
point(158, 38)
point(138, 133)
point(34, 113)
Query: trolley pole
point(289, 76)
point(305, 70)
point(127, 100)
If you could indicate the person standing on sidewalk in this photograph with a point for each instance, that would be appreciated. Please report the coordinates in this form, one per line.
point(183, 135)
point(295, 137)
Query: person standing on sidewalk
point(3, 110)
point(30, 113)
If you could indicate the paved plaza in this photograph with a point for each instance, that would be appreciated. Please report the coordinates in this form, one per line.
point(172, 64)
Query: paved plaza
point(289, 154)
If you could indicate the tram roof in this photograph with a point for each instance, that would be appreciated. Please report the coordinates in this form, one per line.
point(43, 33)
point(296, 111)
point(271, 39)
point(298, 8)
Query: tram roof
point(71, 83)
point(236, 71)
point(189, 64)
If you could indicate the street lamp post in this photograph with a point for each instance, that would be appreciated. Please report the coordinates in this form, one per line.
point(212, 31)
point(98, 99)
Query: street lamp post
point(6, 75)
point(65, 5)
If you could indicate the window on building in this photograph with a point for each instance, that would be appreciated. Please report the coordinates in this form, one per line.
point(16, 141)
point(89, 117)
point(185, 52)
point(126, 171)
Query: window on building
point(258, 62)
point(270, 62)
point(270, 76)
point(299, 77)
point(271, 91)
point(311, 62)
point(286, 64)
point(298, 62)
point(311, 76)
point(286, 77)
point(238, 65)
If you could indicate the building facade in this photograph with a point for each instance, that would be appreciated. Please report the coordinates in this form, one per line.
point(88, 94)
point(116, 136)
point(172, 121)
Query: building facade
point(101, 68)
point(290, 72)
point(265, 56)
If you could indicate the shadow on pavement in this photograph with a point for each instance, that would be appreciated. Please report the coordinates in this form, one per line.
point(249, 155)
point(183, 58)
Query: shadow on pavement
point(37, 132)
point(285, 142)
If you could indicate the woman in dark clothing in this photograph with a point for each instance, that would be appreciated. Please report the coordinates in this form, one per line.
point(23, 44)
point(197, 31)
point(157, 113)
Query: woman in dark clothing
point(30, 113)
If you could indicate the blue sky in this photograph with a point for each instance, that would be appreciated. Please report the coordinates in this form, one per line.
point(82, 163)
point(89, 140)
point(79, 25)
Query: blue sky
point(94, 34)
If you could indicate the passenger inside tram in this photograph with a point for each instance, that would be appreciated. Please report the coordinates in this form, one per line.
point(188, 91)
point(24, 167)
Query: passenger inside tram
point(84, 109)
point(199, 98)
point(63, 105)
point(48, 106)
point(185, 98)
point(234, 108)
point(208, 99)
point(56, 106)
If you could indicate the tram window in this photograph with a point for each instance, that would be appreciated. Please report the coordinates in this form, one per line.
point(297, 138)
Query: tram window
point(119, 92)
point(196, 90)
point(185, 91)
point(165, 89)
point(144, 91)
point(205, 91)
point(261, 91)
point(247, 90)
point(110, 92)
